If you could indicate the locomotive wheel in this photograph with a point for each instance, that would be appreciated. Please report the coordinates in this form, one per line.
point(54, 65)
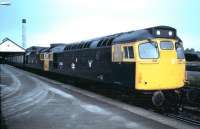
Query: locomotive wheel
point(158, 98)
point(173, 102)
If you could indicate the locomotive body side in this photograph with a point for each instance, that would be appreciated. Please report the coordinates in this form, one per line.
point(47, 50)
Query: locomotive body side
point(128, 61)
point(94, 64)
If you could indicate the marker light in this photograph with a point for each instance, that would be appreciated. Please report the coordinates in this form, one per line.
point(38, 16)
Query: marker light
point(170, 33)
point(158, 32)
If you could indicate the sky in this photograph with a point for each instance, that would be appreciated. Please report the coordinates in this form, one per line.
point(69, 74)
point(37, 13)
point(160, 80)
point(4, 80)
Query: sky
point(66, 21)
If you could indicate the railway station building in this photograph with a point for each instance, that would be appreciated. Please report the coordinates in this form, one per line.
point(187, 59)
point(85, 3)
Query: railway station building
point(9, 47)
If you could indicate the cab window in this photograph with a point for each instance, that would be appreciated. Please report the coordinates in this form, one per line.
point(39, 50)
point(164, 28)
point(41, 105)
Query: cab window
point(179, 51)
point(41, 56)
point(46, 56)
point(166, 45)
point(51, 56)
point(117, 53)
point(128, 52)
point(148, 50)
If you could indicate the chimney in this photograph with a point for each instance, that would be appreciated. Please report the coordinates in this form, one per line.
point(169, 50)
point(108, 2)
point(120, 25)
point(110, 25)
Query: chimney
point(24, 33)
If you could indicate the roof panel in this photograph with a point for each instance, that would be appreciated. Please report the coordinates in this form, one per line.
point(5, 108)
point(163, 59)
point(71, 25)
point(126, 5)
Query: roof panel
point(57, 48)
point(133, 36)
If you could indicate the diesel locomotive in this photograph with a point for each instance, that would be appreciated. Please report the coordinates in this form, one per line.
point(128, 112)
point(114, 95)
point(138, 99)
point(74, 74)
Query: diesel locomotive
point(147, 61)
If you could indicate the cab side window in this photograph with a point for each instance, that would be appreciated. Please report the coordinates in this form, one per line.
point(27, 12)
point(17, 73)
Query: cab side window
point(41, 56)
point(128, 52)
point(179, 51)
point(117, 53)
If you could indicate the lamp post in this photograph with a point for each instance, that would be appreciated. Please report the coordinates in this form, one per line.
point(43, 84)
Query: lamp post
point(5, 3)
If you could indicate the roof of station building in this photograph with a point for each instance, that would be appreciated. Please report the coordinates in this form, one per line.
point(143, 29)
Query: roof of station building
point(7, 45)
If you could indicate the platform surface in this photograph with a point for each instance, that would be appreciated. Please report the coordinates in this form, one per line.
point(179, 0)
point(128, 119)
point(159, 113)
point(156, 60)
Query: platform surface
point(29, 102)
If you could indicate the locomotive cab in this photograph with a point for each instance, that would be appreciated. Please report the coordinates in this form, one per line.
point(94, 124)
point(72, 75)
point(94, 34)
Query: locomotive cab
point(157, 57)
point(160, 65)
point(46, 58)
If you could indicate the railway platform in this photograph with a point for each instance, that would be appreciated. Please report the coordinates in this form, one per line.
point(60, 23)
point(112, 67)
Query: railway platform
point(30, 101)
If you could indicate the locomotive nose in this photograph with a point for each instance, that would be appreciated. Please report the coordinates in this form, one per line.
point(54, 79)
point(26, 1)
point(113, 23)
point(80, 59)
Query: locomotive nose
point(158, 98)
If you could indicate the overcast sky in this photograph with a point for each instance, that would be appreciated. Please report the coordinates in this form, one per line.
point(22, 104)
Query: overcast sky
point(65, 21)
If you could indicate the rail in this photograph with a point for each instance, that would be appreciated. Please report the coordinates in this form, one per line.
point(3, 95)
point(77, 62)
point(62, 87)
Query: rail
point(184, 119)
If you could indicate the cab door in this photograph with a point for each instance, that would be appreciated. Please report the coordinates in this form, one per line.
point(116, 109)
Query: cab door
point(147, 66)
point(46, 65)
point(46, 62)
point(123, 70)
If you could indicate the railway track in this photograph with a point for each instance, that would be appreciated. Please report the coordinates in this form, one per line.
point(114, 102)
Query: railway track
point(184, 119)
point(192, 96)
